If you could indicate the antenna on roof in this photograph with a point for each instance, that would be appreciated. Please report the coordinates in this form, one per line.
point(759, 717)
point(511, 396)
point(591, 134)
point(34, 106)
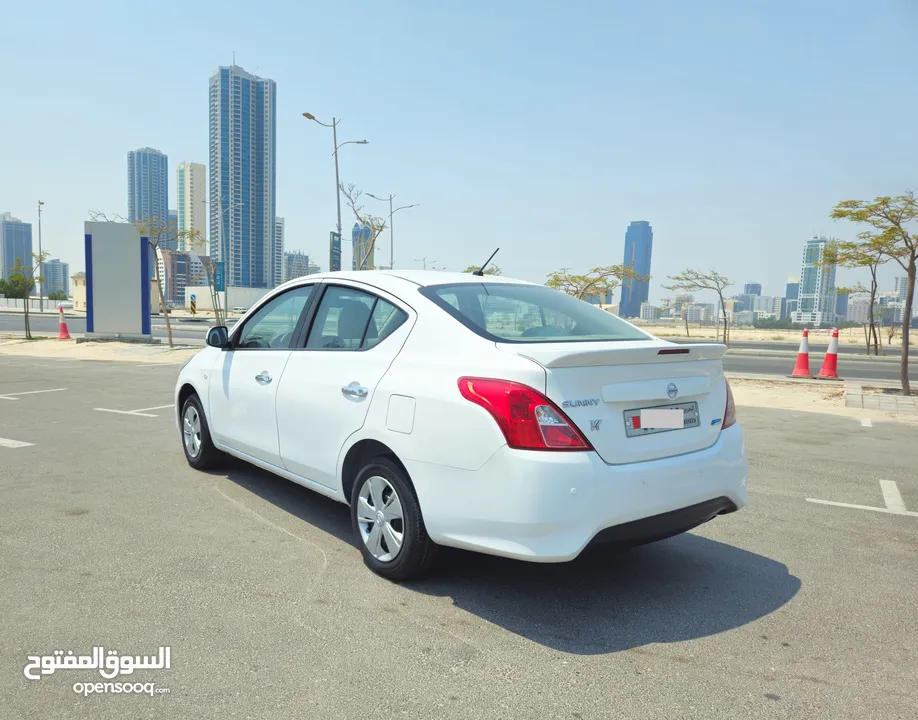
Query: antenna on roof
point(480, 271)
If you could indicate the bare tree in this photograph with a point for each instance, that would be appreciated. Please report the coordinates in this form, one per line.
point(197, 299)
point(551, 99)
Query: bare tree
point(373, 223)
point(24, 277)
point(158, 232)
point(598, 281)
point(696, 280)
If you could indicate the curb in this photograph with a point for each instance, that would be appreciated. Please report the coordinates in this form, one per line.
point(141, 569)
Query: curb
point(841, 356)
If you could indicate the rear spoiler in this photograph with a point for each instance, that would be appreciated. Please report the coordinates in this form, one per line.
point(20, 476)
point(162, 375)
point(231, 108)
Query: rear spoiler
point(566, 355)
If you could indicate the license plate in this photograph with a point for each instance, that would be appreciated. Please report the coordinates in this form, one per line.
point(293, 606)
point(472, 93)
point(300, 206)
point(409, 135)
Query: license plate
point(647, 421)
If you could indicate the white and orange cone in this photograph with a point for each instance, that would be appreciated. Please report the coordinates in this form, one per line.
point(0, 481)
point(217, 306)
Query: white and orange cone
point(63, 333)
point(829, 370)
point(802, 368)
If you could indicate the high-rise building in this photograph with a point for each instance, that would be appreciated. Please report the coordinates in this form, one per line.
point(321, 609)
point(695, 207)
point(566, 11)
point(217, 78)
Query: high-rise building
point(148, 185)
point(279, 230)
point(243, 156)
point(15, 243)
point(55, 277)
point(312, 268)
point(817, 296)
point(791, 291)
point(766, 307)
point(363, 253)
point(752, 288)
point(901, 288)
point(190, 190)
point(296, 264)
point(841, 307)
point(638, 250)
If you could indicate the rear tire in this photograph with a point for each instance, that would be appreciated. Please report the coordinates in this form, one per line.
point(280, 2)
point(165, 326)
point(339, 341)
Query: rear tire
point(199, 448)
point(387, 523)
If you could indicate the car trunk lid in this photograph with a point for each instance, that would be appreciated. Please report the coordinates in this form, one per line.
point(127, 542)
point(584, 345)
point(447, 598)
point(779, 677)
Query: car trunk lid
point(602, 387)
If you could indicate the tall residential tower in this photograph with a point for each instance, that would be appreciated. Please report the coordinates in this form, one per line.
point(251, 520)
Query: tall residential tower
point(15, 243)
point(816, 297)
point(243, 154)
point(191, 194)
point(148, 185)
point(638, 249)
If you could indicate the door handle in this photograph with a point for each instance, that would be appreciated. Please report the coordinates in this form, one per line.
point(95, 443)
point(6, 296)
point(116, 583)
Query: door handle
point(263, 378)
point(354, 390)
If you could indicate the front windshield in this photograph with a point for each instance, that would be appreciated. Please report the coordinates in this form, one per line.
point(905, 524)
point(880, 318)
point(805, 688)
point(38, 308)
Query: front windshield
point(528, 313)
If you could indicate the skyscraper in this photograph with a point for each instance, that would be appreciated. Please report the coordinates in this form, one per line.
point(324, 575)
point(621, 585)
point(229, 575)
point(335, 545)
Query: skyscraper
point(148, 185)
point(279, 230)
point(15, 243)
point(243, 154)
point(901, 288)
point(638, 249)
point(191, 189)
point(816, 294)
point(752, 288)
point(296, 264)
point(55, 277)
point(363, 255)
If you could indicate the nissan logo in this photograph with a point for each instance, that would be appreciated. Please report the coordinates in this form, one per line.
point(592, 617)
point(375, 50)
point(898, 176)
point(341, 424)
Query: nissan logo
point(672, 391)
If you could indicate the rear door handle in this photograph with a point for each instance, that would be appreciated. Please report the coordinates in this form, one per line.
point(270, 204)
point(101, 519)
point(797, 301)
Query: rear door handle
point(263, 378)
point(355, 390)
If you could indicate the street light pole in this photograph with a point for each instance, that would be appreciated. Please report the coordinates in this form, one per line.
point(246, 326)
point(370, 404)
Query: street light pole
point(391, 230)
point(334, 127)
point(41, 284)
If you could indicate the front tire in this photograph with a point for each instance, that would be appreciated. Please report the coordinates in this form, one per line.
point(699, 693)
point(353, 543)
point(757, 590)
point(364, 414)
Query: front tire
point(387, 523)
point(200, 451)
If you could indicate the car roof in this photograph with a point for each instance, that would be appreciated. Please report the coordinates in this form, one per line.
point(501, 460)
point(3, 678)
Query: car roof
point(396, 279)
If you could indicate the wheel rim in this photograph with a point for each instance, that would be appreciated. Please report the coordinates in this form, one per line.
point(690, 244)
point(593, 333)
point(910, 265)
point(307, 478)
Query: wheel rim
point(380, 518)
point(191, 431)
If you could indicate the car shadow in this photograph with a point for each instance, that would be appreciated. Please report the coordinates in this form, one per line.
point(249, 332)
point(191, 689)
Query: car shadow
point(605, 601)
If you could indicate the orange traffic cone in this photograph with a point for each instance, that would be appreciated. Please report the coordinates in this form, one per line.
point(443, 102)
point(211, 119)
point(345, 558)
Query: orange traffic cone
point(829, 369)
point(63, 333)
point(802, 368)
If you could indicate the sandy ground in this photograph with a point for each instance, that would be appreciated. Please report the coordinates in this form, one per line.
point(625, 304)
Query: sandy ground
point(826, 399)
point(113, 351)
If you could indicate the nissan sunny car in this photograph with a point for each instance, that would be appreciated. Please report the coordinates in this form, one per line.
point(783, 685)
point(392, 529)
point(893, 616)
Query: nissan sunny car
point(469, 411)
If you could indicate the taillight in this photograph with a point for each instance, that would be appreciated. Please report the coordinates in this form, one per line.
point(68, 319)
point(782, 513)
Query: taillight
point(730, 410)
point(528, 419)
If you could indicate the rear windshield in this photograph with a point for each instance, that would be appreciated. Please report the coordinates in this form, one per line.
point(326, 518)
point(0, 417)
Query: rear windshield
point(528, 314)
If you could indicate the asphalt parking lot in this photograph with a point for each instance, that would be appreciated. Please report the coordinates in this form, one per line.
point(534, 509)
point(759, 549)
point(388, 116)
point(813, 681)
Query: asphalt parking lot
point(788, 609)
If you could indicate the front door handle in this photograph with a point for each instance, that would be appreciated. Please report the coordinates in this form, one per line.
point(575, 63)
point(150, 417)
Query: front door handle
point(354, 390)
point(263, 378)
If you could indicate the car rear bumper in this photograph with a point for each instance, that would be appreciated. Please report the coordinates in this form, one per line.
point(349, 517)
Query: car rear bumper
point(548, 506)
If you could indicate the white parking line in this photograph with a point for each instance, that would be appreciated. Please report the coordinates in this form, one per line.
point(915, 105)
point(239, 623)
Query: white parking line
point(10, 396)
point(891, 496)
point(7, 443)
point(866, 422)
point(142, 412)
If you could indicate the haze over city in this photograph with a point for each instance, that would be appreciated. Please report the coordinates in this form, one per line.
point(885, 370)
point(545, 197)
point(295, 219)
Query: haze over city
point(539, 129)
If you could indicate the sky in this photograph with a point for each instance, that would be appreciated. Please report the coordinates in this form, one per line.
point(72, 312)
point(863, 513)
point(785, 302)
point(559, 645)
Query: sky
point(537, 127)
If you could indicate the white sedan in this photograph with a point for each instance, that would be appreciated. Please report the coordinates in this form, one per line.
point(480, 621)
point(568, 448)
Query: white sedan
point(475, 412)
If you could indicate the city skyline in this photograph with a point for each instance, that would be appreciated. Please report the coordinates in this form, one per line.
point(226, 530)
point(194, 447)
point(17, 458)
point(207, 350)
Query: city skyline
point(243, 155)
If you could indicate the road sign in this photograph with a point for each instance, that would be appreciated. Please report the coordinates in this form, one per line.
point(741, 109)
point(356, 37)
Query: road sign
point(219, 281)
point(193, 297)
point(334, 251)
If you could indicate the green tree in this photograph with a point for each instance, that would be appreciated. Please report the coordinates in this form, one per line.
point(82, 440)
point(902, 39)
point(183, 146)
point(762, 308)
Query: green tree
point(23, 278)
point(696, 281)
point(492, 270)
point(57, 295)
point(866, 252)
point(891, 221)
point(598, 281)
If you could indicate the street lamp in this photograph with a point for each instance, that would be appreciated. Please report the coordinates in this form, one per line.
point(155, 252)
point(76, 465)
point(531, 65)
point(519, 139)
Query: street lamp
point(334, 127)
point(391, 213)
point(425, 261)
point(41, 283)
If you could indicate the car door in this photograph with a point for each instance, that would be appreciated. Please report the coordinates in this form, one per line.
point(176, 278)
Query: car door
point(244, 381)
point(328, 385)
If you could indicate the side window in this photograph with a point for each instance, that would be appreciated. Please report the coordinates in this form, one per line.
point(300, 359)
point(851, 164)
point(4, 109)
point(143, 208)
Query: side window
point(385, 320)
point(272, 326)
point(342, 319)
point(349, 319)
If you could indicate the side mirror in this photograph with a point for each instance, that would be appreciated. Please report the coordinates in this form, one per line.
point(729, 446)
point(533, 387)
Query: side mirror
point(218, 337)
